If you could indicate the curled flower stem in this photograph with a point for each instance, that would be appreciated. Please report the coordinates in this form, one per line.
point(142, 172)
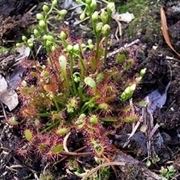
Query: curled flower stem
point(92, 171)
point(65, 142)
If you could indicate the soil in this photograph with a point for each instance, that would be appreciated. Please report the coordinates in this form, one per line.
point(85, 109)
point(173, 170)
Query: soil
point(152, 53)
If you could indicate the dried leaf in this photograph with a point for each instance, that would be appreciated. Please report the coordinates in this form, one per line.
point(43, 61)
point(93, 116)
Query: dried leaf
point(14, 79)
point(124, 17)
point(23, 51)
point(7, 96)
point(3, 84)
point(156, 100)
point(165, 32)
point(67, 4)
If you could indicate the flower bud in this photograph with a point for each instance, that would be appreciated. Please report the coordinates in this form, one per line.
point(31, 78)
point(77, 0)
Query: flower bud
point(88, 2)
point(42, 23)
point(89, 41)
point(111, 7)
point(50, 38)
point(106, 30)
point(53, 48)
point(45, 37)
point(83, 45)
point(128, 92)
point(104, 16)
point(99, 27)
point(142, 72)
point(39, 16)
point(69, 48)
point(48, 43)
point(45, 8)
point(18, 44)
point(54, 2)
point(30, 42)
point(76, 48)
point(24, 38)
point(95, 16)
point(63, 12)
point(93, 4)
point(91, 46)
point(36, 32)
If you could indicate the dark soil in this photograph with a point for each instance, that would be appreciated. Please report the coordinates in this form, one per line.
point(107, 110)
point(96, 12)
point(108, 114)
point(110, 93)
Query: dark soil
point(163, 67)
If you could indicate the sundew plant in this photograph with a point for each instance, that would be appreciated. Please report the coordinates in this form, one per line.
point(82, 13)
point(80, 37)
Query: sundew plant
point(73, 93)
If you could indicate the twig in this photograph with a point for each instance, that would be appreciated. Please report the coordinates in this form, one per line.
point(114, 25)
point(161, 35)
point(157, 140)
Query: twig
point(123, 48)
point(115, 163)
point(67, 152)
point(172, 58)
point(4, 112)
point(76, 153)
point(62, 159)
point(155, 128)
point(131, 162)
point(135, 127)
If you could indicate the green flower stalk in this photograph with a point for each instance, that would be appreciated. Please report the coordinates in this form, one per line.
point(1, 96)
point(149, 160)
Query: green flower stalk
point(82, 64)
point(97, 31)
point(70, 50)
point(106, 31)
point(63, 64)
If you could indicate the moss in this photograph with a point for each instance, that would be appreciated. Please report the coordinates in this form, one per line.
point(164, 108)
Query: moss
point(3, 50)
point(133, 6)
point(145, 21)
point(120, 58)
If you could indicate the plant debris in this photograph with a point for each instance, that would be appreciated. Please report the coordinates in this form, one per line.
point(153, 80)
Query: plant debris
point(8, 96)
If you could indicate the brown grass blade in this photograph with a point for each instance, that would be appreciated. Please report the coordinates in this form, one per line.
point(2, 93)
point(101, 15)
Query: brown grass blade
point(165, 32)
